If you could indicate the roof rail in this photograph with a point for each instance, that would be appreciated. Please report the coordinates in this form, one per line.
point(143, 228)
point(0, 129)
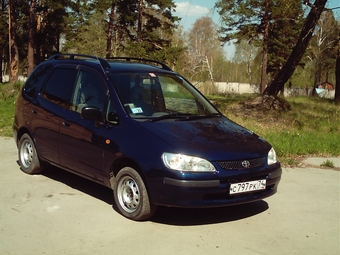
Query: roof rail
point(103, 63)
point(163, 66)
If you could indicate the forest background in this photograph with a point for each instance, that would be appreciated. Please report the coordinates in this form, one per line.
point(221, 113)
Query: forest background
point(150, 29)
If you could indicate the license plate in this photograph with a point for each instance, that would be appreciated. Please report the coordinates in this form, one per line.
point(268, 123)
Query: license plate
point(242, 187)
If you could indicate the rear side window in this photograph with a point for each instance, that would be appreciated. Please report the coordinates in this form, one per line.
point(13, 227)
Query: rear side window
point(35, 79)
point(59, 85)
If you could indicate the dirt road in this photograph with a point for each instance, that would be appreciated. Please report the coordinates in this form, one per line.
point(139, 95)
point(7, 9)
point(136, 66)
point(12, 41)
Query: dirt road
point(59, 213)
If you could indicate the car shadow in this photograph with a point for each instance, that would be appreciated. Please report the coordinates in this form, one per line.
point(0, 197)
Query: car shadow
point(163, 215)
point(79, 183)
point(206, 216)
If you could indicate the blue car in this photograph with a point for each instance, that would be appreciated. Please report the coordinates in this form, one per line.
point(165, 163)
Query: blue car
point(138, 127)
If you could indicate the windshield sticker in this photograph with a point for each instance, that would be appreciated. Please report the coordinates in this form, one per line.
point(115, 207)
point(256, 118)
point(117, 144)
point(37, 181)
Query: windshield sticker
point(136, 110)
point(152, 74)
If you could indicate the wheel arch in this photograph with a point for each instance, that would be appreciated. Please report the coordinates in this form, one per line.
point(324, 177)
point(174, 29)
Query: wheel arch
point(126, 162)
point(21, 132)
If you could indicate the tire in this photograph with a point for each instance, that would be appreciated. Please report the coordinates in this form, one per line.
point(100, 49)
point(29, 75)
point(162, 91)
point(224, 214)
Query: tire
point(131, 196)
point(28, 158)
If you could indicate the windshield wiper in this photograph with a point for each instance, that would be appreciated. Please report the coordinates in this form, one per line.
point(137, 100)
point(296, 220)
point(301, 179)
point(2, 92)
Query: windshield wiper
point(185, 116)
point(195, 117)
point(175, 115)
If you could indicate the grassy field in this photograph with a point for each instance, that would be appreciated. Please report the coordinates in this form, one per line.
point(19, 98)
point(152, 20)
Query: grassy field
point(310, 128)
point(8, 95)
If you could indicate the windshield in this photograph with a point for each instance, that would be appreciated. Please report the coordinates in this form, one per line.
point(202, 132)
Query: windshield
point(160, 95)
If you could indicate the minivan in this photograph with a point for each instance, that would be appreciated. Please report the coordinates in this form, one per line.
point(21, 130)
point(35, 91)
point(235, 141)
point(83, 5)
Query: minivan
point(141, 129)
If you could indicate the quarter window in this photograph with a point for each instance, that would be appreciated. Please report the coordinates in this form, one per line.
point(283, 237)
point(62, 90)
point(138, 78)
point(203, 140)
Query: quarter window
point(35, 79)
point(59, 85)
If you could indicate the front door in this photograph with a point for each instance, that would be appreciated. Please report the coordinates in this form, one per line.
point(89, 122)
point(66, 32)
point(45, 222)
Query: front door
point(80, 142)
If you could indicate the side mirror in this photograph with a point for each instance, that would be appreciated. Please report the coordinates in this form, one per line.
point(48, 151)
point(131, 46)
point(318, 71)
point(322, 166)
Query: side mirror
point(92, 113)
point(112, 117)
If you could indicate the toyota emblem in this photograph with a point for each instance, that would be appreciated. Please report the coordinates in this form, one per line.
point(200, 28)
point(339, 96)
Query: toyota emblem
point(246, 164)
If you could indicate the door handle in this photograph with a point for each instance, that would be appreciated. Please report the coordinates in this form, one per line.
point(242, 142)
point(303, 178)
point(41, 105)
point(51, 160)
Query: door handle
point(66, 124)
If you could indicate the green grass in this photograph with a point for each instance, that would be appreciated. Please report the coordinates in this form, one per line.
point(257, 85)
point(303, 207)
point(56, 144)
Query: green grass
point(310, 128)
point(328, 163)
point(6, 116)
point(303, 143)
point(8, 95)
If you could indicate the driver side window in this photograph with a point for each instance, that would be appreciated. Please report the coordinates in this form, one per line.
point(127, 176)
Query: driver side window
point(90, 90)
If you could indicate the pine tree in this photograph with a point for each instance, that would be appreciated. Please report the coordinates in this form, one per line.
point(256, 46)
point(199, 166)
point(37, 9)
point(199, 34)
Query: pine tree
point(271, 25)
point(277, 84)
point(247, 20)
point(148, 26)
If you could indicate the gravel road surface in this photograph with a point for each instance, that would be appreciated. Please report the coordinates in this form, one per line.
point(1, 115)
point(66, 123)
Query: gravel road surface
point(59, 213)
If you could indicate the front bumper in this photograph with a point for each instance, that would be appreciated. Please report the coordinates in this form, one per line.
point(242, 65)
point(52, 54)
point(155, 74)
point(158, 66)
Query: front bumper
point(211, 193)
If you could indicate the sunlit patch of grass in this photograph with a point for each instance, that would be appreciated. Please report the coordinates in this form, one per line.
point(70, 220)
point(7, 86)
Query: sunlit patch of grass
point(303, 142)
point(311, 127)
point(6, 116)
point(9, 90)
point(8, 95)
point(288, 161)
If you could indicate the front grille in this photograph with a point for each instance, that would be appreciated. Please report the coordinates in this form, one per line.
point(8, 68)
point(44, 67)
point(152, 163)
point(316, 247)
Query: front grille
point(241, 164)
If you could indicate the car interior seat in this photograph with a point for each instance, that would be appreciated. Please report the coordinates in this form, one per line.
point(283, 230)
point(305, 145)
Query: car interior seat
point(136, 94)
point(137, 98)
point(89, 96)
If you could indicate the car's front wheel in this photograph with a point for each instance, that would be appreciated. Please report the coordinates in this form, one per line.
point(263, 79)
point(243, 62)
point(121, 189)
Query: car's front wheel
point(28, 157)
point(131, 196)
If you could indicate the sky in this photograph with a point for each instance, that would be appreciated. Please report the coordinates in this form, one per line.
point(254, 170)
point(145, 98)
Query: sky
point(191, 10)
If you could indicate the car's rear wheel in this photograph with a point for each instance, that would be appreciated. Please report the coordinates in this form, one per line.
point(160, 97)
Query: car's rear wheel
point(28, 157)
point(131, 195)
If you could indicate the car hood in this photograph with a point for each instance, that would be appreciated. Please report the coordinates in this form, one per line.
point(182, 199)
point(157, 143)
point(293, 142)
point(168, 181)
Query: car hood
point(213, 139)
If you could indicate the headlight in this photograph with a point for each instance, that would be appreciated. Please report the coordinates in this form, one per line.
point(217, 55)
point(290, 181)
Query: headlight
point(186, 163)
point(272, 157)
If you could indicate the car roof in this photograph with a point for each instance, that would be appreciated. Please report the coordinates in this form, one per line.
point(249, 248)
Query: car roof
point(125, 66)
point(116, 64)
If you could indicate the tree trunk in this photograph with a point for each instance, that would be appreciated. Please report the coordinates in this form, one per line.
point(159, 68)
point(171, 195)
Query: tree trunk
point(337, 78)
point(210, 70)
point(1, 52)
point(317, 75)
point(31, 30)
point(285, 73)
point(109, 31)
point(13, 49)
point(265, 48)
point(38, 53)
point(2, 37)
point(140, 20)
